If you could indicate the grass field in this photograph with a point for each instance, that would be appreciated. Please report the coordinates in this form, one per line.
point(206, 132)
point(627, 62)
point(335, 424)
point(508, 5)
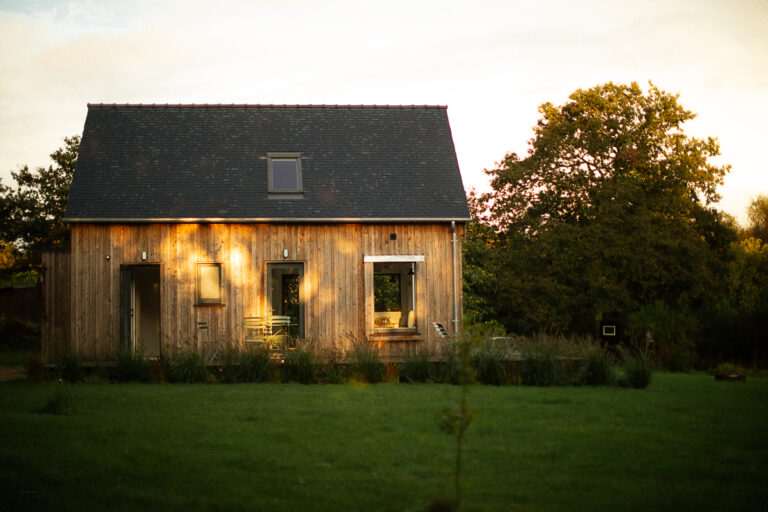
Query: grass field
point(685, 443)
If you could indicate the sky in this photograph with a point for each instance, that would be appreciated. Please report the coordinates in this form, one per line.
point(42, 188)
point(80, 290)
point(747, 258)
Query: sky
point(491, 62)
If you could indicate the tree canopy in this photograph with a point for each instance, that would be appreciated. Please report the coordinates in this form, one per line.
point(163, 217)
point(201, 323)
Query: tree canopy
point(32, 210)
point(611, 209)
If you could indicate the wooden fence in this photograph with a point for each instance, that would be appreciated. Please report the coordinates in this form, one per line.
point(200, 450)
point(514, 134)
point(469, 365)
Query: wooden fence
point(57, 306)
point(22, 302)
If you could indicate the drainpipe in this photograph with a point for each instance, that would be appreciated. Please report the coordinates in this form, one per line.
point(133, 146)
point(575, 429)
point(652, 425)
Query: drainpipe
point(455, 280)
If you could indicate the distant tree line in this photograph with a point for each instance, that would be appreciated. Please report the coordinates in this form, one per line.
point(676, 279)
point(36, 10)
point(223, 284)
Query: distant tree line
point(609, 219)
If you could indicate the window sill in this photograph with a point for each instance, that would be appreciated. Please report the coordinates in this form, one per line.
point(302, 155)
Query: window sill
point(395, 330)
point(216, 305)
point(285, 195)
point(396, 335)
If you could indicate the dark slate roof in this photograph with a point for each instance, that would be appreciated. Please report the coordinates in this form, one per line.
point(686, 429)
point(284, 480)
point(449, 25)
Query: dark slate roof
point(185, 163)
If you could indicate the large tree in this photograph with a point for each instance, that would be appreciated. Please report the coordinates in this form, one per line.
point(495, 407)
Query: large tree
point(610, 209)
point(32, 210)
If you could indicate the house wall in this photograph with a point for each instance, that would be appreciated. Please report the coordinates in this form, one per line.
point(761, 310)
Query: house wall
point(333, 288)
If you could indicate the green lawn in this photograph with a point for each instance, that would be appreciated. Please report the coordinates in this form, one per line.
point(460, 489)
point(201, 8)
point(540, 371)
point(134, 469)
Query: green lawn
point(685, 443)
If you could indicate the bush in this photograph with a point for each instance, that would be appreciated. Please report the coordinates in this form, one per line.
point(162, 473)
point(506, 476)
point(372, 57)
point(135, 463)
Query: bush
point(597, 367)
point(187, 367)
point(728, 370)
point(299, 366)
point(131, 367)
point(416, 366)
point(367, 364)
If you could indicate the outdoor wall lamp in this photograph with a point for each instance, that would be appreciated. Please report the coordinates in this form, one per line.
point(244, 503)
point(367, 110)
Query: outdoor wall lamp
point(285, 253)
point(143, 255)
point(107, 257)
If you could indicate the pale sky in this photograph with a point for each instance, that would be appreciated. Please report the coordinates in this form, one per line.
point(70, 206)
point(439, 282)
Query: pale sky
point(491, 62)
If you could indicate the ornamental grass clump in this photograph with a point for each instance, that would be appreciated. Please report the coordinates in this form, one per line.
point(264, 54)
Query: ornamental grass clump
point(542, 363)
point(416, 366)
point(491, 364)
point(187, 367)
point(366, 363)
point(255, 365)
point(298, 365)
point(131, 367)
point(596, 367)
point(637, 372)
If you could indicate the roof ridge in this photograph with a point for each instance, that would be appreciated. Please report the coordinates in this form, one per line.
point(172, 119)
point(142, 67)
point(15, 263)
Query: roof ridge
point(257, 105)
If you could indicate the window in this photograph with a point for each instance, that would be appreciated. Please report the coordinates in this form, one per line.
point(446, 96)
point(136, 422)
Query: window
point(209, 283)
point(284, 173)
point(394, 295)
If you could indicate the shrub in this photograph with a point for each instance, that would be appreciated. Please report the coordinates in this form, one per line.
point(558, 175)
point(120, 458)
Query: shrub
point(299, 366)
point(728, 370)
point(131, 367)
point(367, 364)
point(61, 402)
point(416, 366)
point(597, 367)
point(187, 367)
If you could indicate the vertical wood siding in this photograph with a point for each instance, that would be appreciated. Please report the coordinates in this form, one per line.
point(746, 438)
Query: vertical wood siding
point(57, 311)
point(334, 290)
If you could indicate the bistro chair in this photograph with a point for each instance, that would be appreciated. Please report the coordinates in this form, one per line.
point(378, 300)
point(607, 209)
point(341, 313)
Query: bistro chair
point(255, 331)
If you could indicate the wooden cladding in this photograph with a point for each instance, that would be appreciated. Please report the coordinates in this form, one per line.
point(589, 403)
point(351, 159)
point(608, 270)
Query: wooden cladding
point(56, 306)
point(335, 288)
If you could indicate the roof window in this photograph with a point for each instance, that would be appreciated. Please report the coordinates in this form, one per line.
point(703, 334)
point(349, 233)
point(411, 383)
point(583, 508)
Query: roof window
point(284, 173)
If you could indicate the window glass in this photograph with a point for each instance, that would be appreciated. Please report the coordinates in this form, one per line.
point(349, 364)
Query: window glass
point(394, 297)
point(209, 283)
point(285, 174)
point(386, 290)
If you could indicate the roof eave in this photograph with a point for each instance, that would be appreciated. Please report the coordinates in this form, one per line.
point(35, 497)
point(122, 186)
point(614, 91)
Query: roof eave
point(257, 220)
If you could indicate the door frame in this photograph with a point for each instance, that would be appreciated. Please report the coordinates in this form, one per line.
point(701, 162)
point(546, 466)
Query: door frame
point(268, 290)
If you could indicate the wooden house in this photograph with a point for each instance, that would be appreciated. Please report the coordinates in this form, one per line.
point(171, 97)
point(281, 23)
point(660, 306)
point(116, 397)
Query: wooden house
point(187, 219)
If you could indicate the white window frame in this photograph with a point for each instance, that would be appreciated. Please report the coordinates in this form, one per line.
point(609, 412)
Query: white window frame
point(368, 273)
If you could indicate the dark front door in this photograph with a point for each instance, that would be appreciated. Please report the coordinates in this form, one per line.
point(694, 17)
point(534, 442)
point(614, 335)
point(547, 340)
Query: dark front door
point(140, 309)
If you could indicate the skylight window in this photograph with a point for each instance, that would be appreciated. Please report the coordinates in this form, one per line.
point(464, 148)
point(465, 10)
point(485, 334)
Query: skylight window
point(284, 173)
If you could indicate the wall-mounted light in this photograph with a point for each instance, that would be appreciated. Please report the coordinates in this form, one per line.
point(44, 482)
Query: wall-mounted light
point(285, 253)
point(107, 257)
point(143, 255)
